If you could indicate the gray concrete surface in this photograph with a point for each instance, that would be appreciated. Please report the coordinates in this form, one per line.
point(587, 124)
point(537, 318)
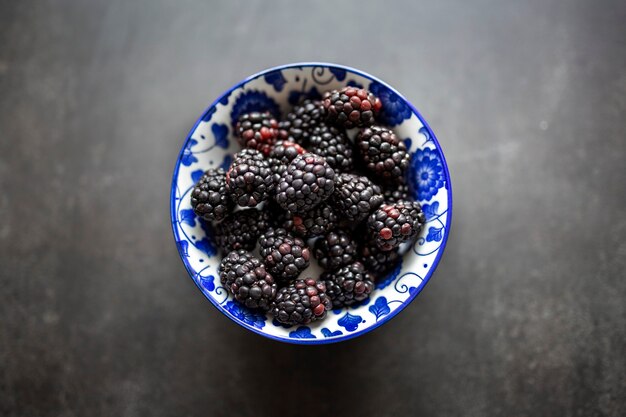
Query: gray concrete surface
point(525, 316)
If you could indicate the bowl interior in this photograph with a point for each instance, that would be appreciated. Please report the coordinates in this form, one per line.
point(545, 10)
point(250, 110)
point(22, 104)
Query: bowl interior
point(211, 144)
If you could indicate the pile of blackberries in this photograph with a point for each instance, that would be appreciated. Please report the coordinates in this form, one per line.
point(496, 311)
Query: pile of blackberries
point(302, 181)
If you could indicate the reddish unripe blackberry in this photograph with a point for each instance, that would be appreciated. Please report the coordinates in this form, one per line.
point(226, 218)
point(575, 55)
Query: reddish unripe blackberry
point(307, 182)
point(348, 285)
point(350, 107)
point(285, 256)
point(257, 130)
point(383, 153)
point(245, 277)
point(301, 302)
point(393, 224)
point(209, 199)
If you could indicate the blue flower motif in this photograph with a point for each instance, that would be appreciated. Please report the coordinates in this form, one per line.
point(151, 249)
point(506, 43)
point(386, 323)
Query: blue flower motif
point(427, 175)
point(226, 162)
point(390, 277)
point(209, 114)
point(434, 234)
point(328, 333)
point(206, 246)
point(183, 248)
point(188, 157)
point(276, 79)
point(253, 101)
point(188, 216)
point(296, 96)
point(354, 84)
point(246, 315)
point(380, 308)
point(339, 73)
point(207, 282)
point(394, 110)
point(302, 332)
point(350, 322)
point(220, 132)
point(196, 175)
point(430, 210)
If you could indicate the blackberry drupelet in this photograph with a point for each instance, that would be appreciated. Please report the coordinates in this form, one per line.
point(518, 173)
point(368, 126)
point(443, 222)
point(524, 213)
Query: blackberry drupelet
point(355, 197)
point(315, 222)
point(301, 302)
point(334, 250)
point(258, 131)
point(307, 182)
point(393, 224)
point(377, 261)
point(399, 192)
point(209, 199)
point(281, 155)
point(350, 107)
point(245, 277)
point(384, 154)
point(300, 122)
point(285, 256)
point(249, 178)
point(333, 145)
point(241, 229)
point(348, 285)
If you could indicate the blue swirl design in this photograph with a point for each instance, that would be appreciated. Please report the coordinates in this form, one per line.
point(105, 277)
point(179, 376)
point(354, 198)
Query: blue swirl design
point(395, 109)
point(246, 315)
point(302, 332)
point(350, 322)
point(403, 288)
point(253, 100)
point(380, 308)
point(188, 157)
point(391, 276)
point(220, 133)
point(426, 174)
point(327, 333)
point(276, 80)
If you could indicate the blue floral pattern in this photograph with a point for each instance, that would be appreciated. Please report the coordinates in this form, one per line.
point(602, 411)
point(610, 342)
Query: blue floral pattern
point(211, 145)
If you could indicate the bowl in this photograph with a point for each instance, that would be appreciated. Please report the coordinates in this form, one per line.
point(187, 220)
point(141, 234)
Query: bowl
point(210, 144)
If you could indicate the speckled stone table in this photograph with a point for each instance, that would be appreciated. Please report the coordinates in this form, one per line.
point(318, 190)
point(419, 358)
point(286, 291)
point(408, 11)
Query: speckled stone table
point(525, 316)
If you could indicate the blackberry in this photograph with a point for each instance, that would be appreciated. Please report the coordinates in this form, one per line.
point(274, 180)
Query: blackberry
point(315, 222)
point(384, 155)
point(300, 122)
point(241, 229)
point(334, 250)
point(257, 130)
point(281, 155)
point(377, 261)
point(245, 277)
point(393, 224)
point(333, 145)
point(307, 182)
point(348, 285)
point(285, 256)
point(209, 199)
point(301, 302)
point(355, 197)
point(394, 194)
point(350, 107)
point(249, 178)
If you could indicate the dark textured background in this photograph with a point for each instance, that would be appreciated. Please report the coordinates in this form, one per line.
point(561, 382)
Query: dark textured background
point(525, 316)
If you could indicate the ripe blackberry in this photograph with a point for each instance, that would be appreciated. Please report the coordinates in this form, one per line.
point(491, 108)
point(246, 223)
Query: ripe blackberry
point(301, 302)
point(209, 199)
point(333, 145)
point(393, 224)
point(350, 107)
point(384, 155)
point(348, 285)
point(315, 222)
point(245, 277)
point(257, 130)
point(285, 256)
point(300, 122)
point(394, 194)
point(249, 178)
point(334, 250)
point(281, 155)
point(241, 229)
point(355, 197)
point(377, 261)
point(307, 182)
